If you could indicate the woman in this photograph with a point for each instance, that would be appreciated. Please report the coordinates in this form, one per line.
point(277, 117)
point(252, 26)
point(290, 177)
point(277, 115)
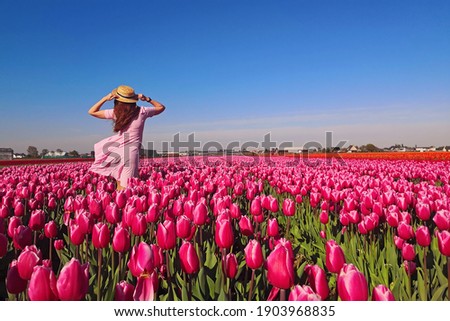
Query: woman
point(118, 155)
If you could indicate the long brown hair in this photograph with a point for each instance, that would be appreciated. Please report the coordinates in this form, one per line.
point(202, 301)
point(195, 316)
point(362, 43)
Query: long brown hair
point(125, 113)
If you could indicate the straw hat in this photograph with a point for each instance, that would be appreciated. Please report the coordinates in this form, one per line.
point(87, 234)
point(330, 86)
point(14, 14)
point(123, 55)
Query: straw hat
point(125, 94)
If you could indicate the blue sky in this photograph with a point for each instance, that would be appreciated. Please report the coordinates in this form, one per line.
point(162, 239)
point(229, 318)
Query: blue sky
point(227, 70)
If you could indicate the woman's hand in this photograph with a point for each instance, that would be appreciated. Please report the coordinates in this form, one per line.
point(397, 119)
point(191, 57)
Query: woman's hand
point(110, 96)
point(143, 97)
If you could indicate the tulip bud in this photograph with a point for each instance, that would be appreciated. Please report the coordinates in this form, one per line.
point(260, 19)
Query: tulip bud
point(188, 258)
point(323, 217)
point(28, 259)
point(14, 283)
point(254, 255)
point(272, 227)
point(231, 265)
point(303, 293)
point(317, 280)
point(245, 225)
point(382, 293)
point(124, 291)
point(352, 285)
point(444, 242)
point(335, 258)
point(224, 234)
point(166, 235)
point(51, 230)
point(59, 245)
point(73, 281)
point(100, 236)
point(141, 259)
point(423, 236)
point(280, 267)
point(42, 285)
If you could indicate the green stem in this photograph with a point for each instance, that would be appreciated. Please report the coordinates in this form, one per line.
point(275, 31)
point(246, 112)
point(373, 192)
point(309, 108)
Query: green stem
point(99, 259)
point(282, 295)
point(448, 278)
point(250, 292)
point(288, 226)
point(425, 272)
point(50, 247)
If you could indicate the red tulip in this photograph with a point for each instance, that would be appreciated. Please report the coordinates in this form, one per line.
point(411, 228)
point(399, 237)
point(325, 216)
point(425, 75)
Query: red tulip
point(144, 290)
point(188, 258)
point(335, 258)
point(323, 217)
point(288, 207)
point(42, 285)
point(19, 209)
point(112, 213)
point(139, 224)
point(141, 260)
point(96, 208)
point(423, 236)
point(51, 230)
point(273, 204)
point(73, 281)
point(398, 241)
point(124, 291)
point(442, 219)
point(152, 213)
point(245, 225)
point(28, 259)
point(352, 285)
point(224, 234)
point(183, 227)
point(255, 206)
point(382, 293)
point(303, 293)
point(121, 239)
point(121, 199)
point(200, 214)
point(59, 245)
point(423, 211)
point(13, 223)
point(280, 267)
point(254, 255)
point(23, 236)
point(100, 236)
point(166, 235)
point(3, 245)
point(235, 211)
point(231, 265)
point(76, 233)
point(272, 227)
point(317, 280)
point(408, 252)
point(444, 242)
point(405, 231)
point(14, 283)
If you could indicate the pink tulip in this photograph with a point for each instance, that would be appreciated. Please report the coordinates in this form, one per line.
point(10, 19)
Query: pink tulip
point(139, 224)
point(14, 283)
point(442, 219)
point(303, 293)
point(121, 239)
point(444, 242)
point(23, 236)
point(423, 236)
point(141, 260)
point(144, 290)
point(28, 259)
point(166, 235)
point(273, 204)
point(42, 285)
point(19, 209)
point(423, 211)
point(121, 199)
point(124, 291)
point(224, 236)
point(323, 217)
point(408, 252)
point(76, 233)
point(100, 236)
point(96, 208)
point(382, 293)
point(335, 258)
point(200, 214)
point(3, 245)
point(272, 227)
point(184, 227)
point(73, 281)
point(405, 231)
point(51, 230)
point(112, 213)
point(14, 222)
point(280, 267)
point(231, 265)
point(235, 211)
point(59, 245)
point(189, 258)
point(245, 225)
point(254, 255)
point(153, 213)
point(351, 284)
point(317, 280)
point(410, 267)
point(255, 206)
point(288, 207)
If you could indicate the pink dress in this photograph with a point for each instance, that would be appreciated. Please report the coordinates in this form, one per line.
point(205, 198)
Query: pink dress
point(118, 155)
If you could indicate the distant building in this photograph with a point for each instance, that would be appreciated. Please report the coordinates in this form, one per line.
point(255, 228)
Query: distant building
point(19, 155)
point(6, 154)
point(353, 149)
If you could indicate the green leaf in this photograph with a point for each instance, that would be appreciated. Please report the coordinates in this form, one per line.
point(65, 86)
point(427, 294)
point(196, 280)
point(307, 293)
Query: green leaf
point(421, 285)
point(438, 295)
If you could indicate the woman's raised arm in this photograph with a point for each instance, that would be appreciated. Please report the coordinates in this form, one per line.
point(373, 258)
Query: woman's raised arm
point(95, 109)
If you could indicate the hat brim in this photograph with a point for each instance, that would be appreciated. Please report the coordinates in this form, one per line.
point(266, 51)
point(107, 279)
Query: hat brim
point(124, 99)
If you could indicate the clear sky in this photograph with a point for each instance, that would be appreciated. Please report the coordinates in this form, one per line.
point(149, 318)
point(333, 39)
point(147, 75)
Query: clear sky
point(369, 71)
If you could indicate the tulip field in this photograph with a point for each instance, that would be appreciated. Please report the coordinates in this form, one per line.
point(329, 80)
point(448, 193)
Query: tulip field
point(237, 228)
